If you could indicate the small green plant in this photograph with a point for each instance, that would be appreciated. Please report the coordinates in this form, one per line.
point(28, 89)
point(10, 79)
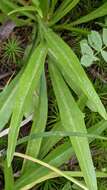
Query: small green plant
point(93, 48)
point(12, 50)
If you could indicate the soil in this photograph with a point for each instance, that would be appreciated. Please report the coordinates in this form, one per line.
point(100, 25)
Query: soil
point(8, 69)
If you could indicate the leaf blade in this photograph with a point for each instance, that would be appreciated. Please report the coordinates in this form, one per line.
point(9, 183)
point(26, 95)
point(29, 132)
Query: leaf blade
point(65, 7)
point(69, 65)
point(95, 40)
point(68, 112)
point(60, 155)
point(46, 165)
point(97, 13)
point(39, 123)
point(27, 84)
point(104, 55)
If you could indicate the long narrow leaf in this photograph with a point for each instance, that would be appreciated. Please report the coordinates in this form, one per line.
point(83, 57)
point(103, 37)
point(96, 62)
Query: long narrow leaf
point(99, 12)
point(52, 6)
point(44, 5)
point(63, 10)
point(69, 173)
point(56, 170)
point(72, 119)
point(7, 6)
point(59, 134)
point(7, 98)
point(39, 124)
point(57, 157)
point(26, 8)
point(27, 84)
point(71, 28)
point(49, 142)
point(70, 65)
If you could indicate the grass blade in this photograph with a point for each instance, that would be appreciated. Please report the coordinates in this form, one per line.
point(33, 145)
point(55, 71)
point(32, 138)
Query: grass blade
point(57, 171)
point(56, 158)
point(59, 134)
point(99, 12)
point(65, 7)
point(80, 174)
point(49, 142)
point(71, 28)
point(75, 174)
point(69, 112)
point(26, 8)
point(52, 6)
point(27, 85)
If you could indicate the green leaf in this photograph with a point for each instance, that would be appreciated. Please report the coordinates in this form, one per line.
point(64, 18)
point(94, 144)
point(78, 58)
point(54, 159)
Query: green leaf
point(81, 102)
point(9, 178)
point(27, 8)
point(36, 2)
point(95, 40)
point(39, 123)
point(7, 98)
point(35, 175)
point(65, 7)
point(59, 134)
point(22, 9)
point(8, 6)
point(78, 174)
point(98, 128)
point(69, 27)
point(69, 113)
point(88, 55)
point(104, 55)
point(31, 105)
point(105, 36)
point(85, 48)
point(52, 6)
point(44, 5)
point(52, 168)
point(48, 143)
point(87, 60)
point(69, 65)
point(27, 85)
point(97, 13)
point(57, 157)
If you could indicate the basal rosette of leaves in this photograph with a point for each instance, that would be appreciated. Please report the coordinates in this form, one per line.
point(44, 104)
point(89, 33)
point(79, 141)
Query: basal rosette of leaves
point(66, 74)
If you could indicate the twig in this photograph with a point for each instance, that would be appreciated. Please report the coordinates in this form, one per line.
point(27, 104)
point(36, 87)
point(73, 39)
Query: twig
point(24, 122)
point(5, 75)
